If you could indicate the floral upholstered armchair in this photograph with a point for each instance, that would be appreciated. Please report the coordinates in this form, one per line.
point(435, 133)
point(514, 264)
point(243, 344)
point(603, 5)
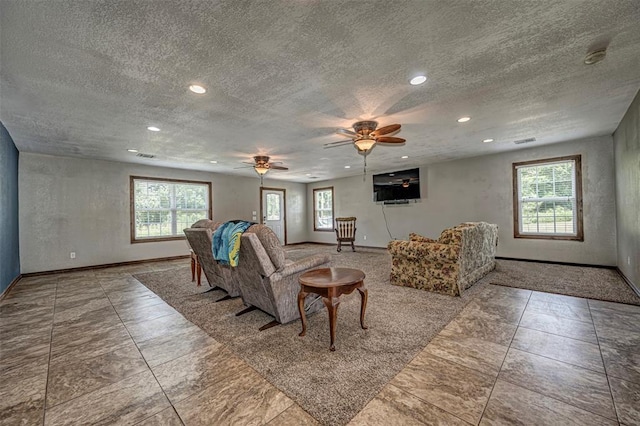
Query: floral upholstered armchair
point(449, 265)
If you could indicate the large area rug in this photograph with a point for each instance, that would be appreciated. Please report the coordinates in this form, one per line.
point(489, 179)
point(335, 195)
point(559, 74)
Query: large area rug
point(331, 386)
point(588, 282)
point(335, 386)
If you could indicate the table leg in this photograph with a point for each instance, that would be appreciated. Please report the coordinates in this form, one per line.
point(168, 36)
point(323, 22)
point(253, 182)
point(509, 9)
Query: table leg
point(364, 294)
point(332, 307)
point(303, 318)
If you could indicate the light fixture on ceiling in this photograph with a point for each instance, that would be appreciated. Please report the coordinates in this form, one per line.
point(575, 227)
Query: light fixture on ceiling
point(463, 119)
point(153, 128)
point(308, 174)
point(213, 162)
point(404, 157)
point(418, 80)
point(261, 169)
point(132, 150)
point(365, 144)
point(487, 140)
point(347, 167)
point(595, 56)
point(196, 88)
point(262, 165)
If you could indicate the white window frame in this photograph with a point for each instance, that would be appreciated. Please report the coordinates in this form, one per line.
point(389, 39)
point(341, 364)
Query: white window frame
point(317, 226)
point(176, 234)
point(575, 199)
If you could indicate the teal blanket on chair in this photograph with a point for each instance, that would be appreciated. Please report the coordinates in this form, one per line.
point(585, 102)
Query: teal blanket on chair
point(226, 242)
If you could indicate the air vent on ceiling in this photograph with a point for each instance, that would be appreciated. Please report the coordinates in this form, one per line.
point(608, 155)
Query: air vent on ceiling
point(145, 155)
point(521, 141)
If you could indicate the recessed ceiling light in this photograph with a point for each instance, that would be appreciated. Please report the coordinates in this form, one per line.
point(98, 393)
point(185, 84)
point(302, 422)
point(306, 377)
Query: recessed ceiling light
point(347, 167)
point(153, 128)
point(392, 174)
point(132, 150)
point(404, 156)
point(308, 174)
point(196, 88)
point(487, 140)
point(463, 119)
point(417, 80)
point(213, 162)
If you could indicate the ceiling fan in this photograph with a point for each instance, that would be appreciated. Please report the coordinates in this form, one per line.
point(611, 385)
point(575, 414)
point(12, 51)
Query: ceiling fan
point(262, 165)
point(365, 137)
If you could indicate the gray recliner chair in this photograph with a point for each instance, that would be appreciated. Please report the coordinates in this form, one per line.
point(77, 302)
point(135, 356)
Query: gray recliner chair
point(220, 277)
point(269, 281)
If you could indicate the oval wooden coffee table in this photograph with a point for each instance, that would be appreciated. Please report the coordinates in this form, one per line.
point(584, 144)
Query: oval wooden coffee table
point(330, 284)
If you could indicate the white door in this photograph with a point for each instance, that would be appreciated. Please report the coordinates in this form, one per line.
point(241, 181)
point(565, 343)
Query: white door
point(273, 211)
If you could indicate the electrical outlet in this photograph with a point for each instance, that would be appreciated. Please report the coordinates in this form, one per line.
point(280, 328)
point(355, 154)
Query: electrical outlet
point(72, 255)
point(365, 238)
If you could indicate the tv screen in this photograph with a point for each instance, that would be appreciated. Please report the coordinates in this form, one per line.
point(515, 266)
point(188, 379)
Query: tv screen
point(397, 186)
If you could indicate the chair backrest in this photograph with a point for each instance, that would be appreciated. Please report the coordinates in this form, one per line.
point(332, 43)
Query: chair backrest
point(345, 227)
point(200, 238)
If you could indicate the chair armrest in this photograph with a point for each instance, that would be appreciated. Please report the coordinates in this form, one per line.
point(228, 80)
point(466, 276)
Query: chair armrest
point(301, 265)
point(416, 250)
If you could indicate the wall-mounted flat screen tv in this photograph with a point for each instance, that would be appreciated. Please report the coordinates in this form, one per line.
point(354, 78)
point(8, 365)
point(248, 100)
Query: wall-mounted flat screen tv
point(396, 186)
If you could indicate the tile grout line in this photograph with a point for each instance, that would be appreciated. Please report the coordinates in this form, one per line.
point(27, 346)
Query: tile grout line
point(505, 357)
point(551, 397)
point(604, 365)
point(141, 356)
point(53, 318)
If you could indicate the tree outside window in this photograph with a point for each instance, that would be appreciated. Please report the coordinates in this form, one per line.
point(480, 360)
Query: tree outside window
point(548, 199)
point(162, 208)
point(323, 209)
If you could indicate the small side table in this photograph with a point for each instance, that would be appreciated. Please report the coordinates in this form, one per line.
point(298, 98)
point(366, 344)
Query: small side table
point(330, 284)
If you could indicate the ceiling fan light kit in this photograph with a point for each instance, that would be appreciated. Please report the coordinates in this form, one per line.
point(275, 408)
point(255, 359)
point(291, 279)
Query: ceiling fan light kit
point(262, 165)
point(366, 135)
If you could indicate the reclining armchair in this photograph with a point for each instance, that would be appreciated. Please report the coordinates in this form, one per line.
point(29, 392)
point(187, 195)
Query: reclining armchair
point(449, 265)
point(220, 277)
point(269, 281)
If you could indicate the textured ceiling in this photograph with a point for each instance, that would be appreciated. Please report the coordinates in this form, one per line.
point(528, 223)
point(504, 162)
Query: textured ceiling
point(85, 78)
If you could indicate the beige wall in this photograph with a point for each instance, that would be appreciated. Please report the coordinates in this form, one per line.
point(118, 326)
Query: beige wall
point(627, 159)
point(70, 204)
point(480, 189)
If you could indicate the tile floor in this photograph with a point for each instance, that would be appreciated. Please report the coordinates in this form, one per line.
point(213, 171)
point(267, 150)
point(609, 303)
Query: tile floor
point(98, 347)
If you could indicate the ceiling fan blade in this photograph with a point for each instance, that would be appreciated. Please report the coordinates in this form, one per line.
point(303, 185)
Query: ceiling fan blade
point(244, 167)
point(336, 143)
point(277, 167)
point(389, 139)
point(347, 133)
point(386, 129)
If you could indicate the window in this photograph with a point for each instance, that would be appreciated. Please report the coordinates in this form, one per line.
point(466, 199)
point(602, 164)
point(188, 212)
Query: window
point(323, 209)
point(273, 207)
point(548, 199)
point(162, 208)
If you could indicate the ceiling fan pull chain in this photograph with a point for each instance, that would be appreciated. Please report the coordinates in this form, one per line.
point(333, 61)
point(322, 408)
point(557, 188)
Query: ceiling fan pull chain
point(364, 175)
